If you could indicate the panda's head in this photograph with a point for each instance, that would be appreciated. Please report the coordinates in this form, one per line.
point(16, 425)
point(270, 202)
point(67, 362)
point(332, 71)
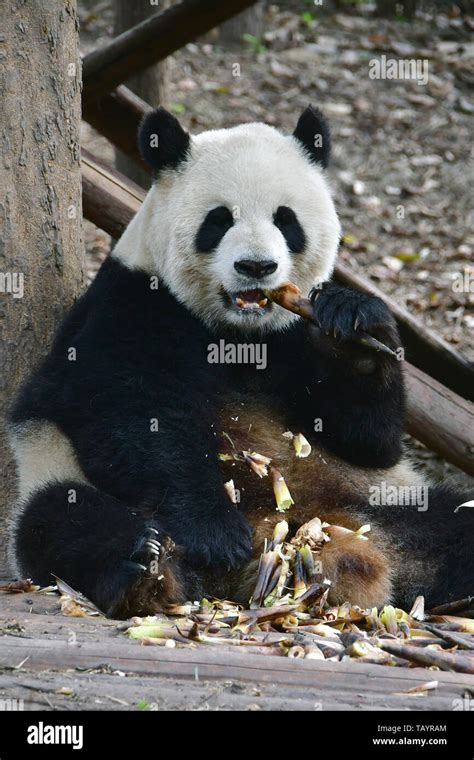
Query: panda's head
point(233, 212)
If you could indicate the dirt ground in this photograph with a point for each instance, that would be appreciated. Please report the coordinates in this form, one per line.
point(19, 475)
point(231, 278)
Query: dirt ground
point(402, 166)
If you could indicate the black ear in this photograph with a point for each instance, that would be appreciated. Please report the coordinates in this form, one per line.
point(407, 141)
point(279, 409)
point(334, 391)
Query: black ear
point(162, 141)
point(312, 132)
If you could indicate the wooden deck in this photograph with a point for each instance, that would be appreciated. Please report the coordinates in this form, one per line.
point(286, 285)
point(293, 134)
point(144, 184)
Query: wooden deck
point(63, 663)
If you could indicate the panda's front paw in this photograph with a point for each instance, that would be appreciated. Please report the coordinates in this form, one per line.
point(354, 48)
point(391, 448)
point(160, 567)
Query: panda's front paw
point(222, 541)
point(344, 320)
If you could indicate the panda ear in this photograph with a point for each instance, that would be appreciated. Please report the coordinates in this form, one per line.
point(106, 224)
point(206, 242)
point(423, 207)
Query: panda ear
point(312, 131)
point(162, 141)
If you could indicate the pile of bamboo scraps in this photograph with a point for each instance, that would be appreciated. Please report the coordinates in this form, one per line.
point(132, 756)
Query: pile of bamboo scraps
point(289, 615)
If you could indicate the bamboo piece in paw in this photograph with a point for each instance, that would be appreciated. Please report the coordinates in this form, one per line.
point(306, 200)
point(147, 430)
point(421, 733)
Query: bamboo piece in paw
point(289, 297)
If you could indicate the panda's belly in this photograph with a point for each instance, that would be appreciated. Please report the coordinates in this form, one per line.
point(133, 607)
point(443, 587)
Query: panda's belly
point(319, 484)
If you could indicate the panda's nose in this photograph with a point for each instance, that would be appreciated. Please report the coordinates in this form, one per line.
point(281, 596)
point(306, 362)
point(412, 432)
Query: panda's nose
point(253, 268)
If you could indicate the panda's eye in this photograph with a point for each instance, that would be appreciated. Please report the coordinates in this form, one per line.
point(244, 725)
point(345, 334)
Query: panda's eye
point(213, 228)
point(287, 222)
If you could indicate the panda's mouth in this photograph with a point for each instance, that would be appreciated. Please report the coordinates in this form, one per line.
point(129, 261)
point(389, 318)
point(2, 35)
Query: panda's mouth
point(248, 301)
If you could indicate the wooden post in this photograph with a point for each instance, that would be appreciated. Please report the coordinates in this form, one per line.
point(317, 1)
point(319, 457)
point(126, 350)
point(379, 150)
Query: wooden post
point(41, 257)
point(117, 117)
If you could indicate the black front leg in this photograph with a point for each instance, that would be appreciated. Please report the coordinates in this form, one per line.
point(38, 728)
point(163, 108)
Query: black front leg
point(172, 476)
point(353, 402)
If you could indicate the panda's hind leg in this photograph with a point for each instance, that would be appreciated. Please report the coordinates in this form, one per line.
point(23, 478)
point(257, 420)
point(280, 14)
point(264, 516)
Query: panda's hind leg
point(101, 547)
point(434, 546)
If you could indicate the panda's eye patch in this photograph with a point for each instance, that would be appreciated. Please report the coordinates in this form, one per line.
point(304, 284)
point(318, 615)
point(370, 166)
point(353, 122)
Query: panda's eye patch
point(287, 222)
point(213, 228)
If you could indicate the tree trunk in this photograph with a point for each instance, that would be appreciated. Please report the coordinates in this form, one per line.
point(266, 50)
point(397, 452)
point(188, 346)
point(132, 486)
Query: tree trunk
point(41, 249)
point(150, 84)
point(248, 22)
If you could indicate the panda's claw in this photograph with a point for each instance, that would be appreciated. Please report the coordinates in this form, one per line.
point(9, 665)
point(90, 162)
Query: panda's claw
point(154, 546)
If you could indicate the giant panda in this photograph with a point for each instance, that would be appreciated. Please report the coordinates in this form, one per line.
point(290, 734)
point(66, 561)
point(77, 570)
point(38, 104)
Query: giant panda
point(117, 434)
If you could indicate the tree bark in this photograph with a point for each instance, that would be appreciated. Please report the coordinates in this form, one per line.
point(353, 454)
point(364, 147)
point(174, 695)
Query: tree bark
point(149, 84)
point(41, 248)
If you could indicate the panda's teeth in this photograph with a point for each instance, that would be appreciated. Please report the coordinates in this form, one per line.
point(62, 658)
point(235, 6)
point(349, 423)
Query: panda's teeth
point(242, 302)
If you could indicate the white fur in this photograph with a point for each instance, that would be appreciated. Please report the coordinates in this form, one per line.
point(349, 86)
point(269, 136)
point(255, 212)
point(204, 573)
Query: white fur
point(43, 454)
point(251, 169)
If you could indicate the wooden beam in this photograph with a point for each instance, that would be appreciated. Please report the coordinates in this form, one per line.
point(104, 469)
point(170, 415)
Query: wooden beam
point(109, 199)
point(440, 419)
point(117, 116)
point(152, 41)
point(436, 416)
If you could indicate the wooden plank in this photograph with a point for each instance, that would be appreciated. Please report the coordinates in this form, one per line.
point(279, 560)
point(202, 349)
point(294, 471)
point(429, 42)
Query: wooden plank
point(207, 662)
point(110, 200)
point(37, 612)
point(440, 419)
point(103, 691)
point(152, 41)
point(42, 657)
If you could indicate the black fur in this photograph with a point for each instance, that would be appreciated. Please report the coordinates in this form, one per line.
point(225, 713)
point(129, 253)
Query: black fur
point(173, 142)
point(213, 228)
point(99, 544)
point(312, 132)
point(287, 222)
point(437, 539)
